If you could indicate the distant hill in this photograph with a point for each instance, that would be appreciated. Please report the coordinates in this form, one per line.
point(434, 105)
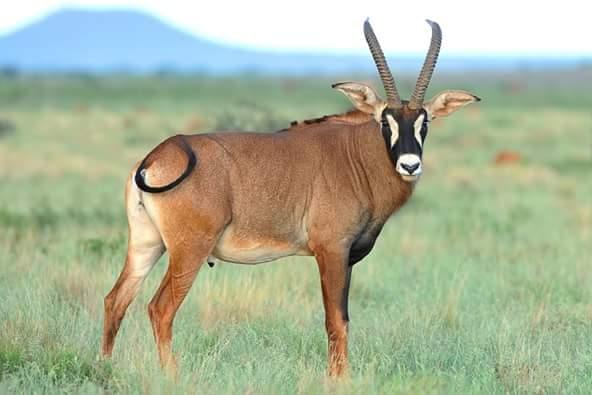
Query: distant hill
point(90, 40)
point(119, 40)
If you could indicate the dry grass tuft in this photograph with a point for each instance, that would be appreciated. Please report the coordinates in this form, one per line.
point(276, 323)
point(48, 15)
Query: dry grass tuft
point(526, 378)
point(77, 289)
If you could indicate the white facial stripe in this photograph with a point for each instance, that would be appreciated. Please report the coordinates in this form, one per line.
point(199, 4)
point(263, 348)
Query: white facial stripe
point(417, 128)
point(394, 129)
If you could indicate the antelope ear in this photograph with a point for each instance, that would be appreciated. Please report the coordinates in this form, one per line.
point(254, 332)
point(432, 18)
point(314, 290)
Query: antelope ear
point(447, 102)
point(363, 97)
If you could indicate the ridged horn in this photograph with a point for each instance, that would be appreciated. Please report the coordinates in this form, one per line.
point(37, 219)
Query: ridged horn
point(392, 96)
point(428, 67)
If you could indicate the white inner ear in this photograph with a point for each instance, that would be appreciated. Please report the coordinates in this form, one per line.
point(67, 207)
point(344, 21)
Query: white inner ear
point(394, 129)
point(417, 128)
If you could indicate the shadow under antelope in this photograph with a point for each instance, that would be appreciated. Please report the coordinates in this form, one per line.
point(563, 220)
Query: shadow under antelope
point(322, 188)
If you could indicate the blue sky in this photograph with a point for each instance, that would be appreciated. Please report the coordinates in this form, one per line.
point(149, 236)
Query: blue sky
point(470, 27)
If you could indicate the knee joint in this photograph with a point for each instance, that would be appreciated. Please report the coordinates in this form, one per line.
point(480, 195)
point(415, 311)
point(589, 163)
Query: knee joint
point(108, 302)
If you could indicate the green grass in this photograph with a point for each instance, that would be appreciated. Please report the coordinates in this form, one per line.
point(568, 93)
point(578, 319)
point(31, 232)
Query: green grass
point(488, 289)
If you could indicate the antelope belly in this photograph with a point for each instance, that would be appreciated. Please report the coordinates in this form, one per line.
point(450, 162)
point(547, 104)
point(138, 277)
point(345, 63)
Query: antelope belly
point(250, 250)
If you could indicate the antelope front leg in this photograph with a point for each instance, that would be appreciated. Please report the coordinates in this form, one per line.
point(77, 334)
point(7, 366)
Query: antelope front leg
point(335, 279)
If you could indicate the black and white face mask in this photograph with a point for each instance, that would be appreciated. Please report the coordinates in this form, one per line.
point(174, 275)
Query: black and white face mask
point(404, 134)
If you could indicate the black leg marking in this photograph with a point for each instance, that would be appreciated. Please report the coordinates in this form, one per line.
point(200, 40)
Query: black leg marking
point(345, 298)
point(359, 252)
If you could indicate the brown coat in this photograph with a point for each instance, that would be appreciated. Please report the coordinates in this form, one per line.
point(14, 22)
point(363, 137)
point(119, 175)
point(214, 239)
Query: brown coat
point(326, 182)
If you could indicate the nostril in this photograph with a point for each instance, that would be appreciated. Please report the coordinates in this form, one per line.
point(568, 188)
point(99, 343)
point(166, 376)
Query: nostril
point(410, 168)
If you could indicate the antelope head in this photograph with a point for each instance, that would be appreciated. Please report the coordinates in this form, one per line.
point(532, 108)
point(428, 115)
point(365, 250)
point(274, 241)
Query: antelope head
point(404, 124)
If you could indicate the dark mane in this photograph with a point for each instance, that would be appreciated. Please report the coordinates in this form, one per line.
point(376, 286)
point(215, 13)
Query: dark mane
point(350, 117)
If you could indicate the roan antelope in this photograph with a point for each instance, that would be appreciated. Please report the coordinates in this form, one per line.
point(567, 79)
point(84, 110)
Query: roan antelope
point(323, 187)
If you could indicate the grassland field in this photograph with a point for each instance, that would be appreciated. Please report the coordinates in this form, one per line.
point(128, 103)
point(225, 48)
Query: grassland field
point(482, 283)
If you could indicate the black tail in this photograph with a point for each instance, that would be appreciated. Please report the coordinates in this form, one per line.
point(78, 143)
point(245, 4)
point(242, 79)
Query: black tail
point(191, 162)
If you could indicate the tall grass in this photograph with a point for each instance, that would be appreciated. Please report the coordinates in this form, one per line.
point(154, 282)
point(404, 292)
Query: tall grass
point(481, 284)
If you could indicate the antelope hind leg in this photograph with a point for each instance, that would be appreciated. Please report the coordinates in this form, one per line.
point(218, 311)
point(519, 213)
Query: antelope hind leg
point(145, 246)
point(184, 264)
